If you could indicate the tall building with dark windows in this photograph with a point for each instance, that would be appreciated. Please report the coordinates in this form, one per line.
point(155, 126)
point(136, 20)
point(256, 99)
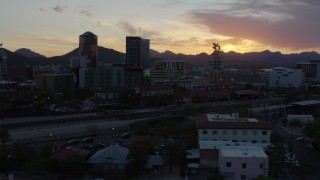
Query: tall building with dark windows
point(3, 64)
point(137, 51)
point(88, 47)
point(311, 69)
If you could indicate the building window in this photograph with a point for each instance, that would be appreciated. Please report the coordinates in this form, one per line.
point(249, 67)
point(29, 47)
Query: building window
point(234, 141)
point(244, 165)
point(254, 132)
point(264, 141)
point(224, 132)
point(214, 132)
point(264, 132)
point(228, 164)
point(234, 132)
point(261, 165)
point(204, 132)
point(244, 140)
point(254, 141)
point(243, 177)
point(244, 132)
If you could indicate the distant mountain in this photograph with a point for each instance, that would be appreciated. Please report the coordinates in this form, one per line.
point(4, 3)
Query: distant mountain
point(265, 59)
point(15, 59)
point(105, 55)
point(28, 53)
point(262, 59)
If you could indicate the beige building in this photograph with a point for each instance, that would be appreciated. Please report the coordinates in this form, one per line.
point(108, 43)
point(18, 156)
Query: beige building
point(55, 82)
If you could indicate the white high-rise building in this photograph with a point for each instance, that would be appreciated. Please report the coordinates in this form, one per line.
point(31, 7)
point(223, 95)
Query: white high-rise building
point(282, 77)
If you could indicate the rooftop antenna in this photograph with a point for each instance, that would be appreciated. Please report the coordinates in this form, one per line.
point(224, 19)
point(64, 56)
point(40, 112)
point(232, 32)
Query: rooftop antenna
point(139, 31)
point(216, 64)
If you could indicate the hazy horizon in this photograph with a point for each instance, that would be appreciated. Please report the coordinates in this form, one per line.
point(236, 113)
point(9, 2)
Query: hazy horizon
point(52, 28)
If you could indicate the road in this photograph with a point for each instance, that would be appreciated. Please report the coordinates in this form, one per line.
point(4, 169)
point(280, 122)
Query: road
point(308, 158)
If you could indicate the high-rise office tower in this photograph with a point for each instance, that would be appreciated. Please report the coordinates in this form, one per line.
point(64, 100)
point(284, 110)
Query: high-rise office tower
point(88, 46)
point(3, 64)
point(137, 51)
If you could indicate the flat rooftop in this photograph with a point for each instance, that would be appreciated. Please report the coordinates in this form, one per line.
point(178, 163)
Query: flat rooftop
point(210, 144)
point(306, 103)
point(242, 151)
point(234, 117)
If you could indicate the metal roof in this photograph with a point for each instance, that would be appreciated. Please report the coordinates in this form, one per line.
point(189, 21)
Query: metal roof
point(306, 103)
point(88, 33)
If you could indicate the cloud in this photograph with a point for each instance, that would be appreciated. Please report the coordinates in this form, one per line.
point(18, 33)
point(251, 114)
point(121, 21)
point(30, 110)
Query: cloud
point(99, 24)
point(149, 34)
point(59, 8)
point(127, 27)
point(169, 3)
point(86, 13)
point(280, 24)
point(42, 9)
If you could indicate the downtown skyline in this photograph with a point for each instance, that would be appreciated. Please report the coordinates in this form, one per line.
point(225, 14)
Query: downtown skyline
point(52, 27)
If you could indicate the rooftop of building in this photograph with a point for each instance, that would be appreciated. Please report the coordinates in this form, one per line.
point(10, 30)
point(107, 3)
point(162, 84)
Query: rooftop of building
point(308, 61)
point(247, 92)
point(225, 121)
point(307, 103)
point(211, 144)
point(234, 117)
point(242, 151)
point(193, 153)
point(139, 88)
point(87, 33)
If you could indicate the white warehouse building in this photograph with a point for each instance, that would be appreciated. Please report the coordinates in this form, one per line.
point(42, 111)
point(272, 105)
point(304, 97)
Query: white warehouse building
point(282, 77)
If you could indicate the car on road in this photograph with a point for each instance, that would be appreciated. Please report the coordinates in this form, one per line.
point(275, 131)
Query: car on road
point(303, 139)
point(73, 141)
point(87, 140)
point(125, 135)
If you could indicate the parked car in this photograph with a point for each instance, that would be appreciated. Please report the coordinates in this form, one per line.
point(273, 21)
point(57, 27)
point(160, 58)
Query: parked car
point(125, 135)
point(87, 140)
point(73, 141)
point(303, 139)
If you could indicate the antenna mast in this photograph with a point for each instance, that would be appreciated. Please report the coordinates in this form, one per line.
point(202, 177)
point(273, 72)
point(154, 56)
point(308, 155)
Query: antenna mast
point(217, 63)
point(139, 31)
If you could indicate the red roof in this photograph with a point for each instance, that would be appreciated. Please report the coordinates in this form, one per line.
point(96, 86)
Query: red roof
point(203, 123)
point(142, 88)
point(211, 93)
point(67, 152)
point(154, 88)
point(111, 90)
point(209, 154)
point(247, 92)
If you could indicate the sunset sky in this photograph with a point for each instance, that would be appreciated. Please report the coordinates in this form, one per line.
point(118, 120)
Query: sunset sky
point(52, 27)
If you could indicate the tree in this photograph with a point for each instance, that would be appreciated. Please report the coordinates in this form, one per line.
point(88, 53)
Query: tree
point(138, 155)
point(276, 158)
point(175, 153)
point(4, 136)
point(264, 178)
point(129, 96)
point(311, 129)
point(82, 93)
point(4, 101)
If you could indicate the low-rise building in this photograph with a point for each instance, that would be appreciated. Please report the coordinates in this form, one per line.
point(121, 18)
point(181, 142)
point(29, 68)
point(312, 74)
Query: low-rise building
point(55, 82)
point(243, 162)
point(218, 130)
